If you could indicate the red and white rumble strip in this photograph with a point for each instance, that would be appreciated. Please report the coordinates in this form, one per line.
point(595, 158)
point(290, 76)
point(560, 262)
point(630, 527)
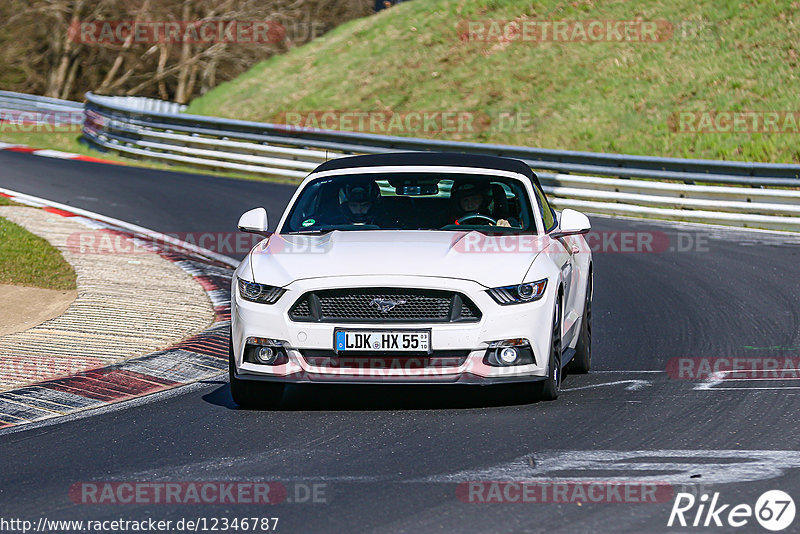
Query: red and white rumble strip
point(48, 153)
point(199, 357)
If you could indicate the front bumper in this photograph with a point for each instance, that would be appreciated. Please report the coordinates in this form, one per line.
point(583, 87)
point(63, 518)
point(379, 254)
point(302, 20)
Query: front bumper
point(467, 343)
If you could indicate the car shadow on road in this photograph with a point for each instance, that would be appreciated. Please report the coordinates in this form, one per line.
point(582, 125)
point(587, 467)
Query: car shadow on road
point(341, 397)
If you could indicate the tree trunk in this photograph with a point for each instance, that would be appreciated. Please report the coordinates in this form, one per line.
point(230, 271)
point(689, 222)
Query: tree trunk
point(181, 95)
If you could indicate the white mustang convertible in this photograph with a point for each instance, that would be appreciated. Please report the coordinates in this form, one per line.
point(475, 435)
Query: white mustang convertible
point(410, 268)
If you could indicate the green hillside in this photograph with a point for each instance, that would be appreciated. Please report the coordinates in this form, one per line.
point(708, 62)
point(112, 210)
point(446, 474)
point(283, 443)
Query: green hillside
point(610, 96)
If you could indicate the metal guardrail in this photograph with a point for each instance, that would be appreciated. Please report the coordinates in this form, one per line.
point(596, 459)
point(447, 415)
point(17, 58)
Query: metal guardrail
point(768, 174)
point(16, 107)
point(741, 194)
point(143, 104)
point(762, 195)
point(55, 109)
point(38, 102)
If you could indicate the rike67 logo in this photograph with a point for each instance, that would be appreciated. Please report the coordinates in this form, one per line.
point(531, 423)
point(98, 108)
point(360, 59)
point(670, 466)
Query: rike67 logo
point(774, 510)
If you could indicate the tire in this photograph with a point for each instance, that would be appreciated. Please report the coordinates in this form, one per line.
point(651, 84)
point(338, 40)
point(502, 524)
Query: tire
point(251, 393)
point(548, 389)
point(581, 363)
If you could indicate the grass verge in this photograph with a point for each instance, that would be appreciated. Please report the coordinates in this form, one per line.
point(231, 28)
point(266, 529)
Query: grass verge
point(578, 95)
point(28, 260)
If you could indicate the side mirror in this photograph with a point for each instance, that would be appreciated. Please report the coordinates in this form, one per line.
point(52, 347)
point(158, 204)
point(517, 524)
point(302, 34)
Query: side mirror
point(572, 223)
point(254, 221)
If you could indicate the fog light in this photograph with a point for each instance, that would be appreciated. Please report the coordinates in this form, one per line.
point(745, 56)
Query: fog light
point(508, 355)
point(509, 352)
point(266, 355)
point(265, 351)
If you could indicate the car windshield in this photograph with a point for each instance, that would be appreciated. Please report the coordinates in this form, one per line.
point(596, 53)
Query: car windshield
point(411, 201)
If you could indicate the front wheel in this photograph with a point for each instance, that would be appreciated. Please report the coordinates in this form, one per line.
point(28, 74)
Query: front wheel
point(549, 388)
point(251, 393)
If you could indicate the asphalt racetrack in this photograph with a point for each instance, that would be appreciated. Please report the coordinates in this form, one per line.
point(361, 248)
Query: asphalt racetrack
point(401, 459)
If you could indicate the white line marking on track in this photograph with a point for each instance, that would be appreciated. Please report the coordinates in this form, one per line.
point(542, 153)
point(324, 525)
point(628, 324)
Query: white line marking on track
point(711, 383)
point(632, 372)
point(635, 385)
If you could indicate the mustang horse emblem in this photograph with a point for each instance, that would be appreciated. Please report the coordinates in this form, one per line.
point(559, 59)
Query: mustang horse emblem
point(385, 305)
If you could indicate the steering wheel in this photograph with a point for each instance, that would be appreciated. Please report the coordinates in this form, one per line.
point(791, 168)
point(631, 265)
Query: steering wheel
point(479, 216)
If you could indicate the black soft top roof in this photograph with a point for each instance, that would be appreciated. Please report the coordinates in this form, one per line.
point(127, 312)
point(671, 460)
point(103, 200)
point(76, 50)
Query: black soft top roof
point(452, 159)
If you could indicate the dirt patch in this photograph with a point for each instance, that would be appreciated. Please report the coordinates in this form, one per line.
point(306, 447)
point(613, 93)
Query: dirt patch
point(26, 307)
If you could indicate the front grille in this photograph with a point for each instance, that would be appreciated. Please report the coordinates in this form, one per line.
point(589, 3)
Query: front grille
point(385, 360)
point(384, 305)
point(302, 309)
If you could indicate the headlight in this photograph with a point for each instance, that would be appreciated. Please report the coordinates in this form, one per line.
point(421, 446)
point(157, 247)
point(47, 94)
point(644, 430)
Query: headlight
point(262, 293)
point(518, 294)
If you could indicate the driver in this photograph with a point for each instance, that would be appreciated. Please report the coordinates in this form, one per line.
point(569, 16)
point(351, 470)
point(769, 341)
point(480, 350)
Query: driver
point(358, 202)
point(474, 198)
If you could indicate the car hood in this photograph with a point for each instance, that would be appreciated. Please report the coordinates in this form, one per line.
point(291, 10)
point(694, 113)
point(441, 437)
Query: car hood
point(488, 260)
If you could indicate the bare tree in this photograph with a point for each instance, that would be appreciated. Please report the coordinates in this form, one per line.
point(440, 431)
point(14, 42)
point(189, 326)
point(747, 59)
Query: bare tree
point(41, 51)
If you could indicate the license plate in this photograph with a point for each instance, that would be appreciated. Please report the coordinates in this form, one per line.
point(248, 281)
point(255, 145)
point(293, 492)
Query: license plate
point(382, 340)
